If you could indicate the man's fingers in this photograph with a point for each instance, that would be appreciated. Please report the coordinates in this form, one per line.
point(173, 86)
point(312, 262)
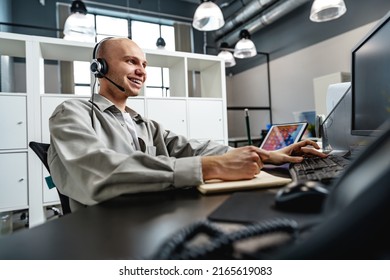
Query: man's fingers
point(311, 151)
point(307, 142)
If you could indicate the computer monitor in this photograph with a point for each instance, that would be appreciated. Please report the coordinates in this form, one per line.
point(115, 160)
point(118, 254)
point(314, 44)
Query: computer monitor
point(371, 80)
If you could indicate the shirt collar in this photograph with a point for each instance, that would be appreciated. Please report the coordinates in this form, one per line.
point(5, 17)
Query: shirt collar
point(104, 104)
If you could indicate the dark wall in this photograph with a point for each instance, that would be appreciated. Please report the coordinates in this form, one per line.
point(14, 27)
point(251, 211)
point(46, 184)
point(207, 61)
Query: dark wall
point(5, 14)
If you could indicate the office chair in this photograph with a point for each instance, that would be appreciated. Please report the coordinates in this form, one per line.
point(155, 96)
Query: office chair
point(40, 150)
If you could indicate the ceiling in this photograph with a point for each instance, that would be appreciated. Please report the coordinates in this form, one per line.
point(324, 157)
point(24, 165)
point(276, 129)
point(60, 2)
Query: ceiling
point(252, 15)
point(290, 31)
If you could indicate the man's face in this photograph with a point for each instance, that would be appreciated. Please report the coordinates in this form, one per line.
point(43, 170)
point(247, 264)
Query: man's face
point(127, 65)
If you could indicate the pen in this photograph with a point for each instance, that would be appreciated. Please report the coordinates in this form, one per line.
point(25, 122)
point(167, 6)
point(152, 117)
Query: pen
point(248, 130)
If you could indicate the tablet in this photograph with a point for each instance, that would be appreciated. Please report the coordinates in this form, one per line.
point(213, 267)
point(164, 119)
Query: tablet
point(282, 135)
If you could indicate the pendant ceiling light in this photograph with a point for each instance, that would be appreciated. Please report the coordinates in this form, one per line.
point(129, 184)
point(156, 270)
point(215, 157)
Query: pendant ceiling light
point(208, 16)
point(325, 10)
point(227, 55)
point(245, 47)
point(160, 43)
point(78, 27)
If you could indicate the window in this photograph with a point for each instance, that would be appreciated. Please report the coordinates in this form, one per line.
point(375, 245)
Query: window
point(157, 84)
point(82, 77)
point(154, 31)
point(104, 27)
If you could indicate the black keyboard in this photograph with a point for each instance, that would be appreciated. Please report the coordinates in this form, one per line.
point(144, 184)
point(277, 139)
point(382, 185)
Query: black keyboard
point(319, 169)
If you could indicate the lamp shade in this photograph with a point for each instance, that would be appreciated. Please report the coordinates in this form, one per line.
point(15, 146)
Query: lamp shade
point(228, 57)
point(78, 26)
point(208, 16)
point(160, 43)
point(325, 10)
point(245, 48)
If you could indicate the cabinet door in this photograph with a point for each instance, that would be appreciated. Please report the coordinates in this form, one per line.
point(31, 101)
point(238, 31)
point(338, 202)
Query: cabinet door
point(13, 122)
point(170, 113)
point(13, 187)
point(206, 119)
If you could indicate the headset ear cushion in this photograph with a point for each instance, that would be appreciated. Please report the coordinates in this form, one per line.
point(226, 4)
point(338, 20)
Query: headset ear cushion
point(104, 67)
point(99, 67)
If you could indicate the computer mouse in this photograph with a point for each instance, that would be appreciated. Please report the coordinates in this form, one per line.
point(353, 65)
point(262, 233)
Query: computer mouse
point(306, 197)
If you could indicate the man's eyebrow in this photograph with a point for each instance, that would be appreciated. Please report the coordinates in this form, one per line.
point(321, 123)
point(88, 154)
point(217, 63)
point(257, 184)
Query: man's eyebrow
point(145, 62)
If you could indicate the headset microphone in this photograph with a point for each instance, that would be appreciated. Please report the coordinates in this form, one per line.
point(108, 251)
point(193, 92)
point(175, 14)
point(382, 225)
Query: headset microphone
point(115, 84)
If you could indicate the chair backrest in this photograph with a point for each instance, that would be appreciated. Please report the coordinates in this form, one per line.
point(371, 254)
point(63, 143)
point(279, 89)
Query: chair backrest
point(40, 150)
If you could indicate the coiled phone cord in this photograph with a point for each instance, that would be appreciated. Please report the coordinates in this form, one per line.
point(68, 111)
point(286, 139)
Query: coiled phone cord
point(220, 244)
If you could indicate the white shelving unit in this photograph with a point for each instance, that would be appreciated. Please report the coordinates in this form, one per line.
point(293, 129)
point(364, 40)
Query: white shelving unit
point(196, 108)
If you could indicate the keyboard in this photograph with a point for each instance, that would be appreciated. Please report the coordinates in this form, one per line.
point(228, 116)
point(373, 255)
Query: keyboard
point(319, 169)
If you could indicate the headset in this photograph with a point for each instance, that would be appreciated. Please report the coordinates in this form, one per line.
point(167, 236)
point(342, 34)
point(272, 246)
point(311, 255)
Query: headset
point(99, 66)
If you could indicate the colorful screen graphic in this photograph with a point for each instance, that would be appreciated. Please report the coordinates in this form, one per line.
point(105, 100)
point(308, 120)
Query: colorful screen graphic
point(282, 135)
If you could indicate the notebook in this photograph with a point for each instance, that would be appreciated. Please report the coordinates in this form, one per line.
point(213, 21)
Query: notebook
point(282, 135)
point(261, 180)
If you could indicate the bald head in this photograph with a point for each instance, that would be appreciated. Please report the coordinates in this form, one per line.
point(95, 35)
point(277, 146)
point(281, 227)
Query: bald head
point(109, 46)
point(125, 72)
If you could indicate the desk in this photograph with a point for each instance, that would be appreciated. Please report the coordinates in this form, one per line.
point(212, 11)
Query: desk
point(127, 227)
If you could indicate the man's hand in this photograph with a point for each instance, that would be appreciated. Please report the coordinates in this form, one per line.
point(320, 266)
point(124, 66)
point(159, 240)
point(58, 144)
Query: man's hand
point(295, 153)
point(246, 162)
point(237, 164)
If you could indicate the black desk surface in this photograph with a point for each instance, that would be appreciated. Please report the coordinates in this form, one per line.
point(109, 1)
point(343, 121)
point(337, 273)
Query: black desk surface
point(127, 227)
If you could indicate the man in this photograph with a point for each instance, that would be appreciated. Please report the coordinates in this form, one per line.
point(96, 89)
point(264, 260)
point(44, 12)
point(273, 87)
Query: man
point(101, 149)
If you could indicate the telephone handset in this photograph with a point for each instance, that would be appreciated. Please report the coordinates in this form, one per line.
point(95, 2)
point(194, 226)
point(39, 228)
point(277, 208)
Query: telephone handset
point(356, 224)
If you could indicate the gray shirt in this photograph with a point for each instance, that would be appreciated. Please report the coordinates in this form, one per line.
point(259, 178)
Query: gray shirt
point(91, 158)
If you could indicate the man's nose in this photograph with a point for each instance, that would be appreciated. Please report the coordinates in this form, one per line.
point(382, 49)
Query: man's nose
point(140, 71)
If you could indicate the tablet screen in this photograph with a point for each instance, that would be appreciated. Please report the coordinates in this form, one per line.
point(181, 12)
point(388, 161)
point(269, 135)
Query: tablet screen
point(282, 135)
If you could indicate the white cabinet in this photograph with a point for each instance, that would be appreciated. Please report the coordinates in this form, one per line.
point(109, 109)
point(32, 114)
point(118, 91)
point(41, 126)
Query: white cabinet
point(194, 106)
point(206, 119)
point(13, 125)
point(171, 113)
point(13, 187)
point(137, 104)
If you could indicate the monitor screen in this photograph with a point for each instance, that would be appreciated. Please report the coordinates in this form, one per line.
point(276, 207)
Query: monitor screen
point(371, 80)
